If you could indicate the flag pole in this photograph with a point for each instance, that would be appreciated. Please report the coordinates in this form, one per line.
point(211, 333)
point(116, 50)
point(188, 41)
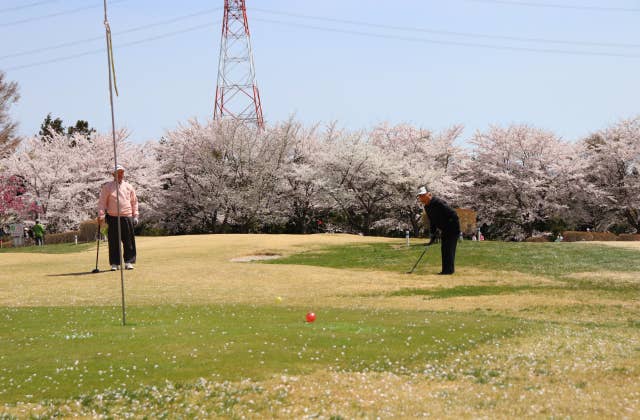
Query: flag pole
point(113, 85)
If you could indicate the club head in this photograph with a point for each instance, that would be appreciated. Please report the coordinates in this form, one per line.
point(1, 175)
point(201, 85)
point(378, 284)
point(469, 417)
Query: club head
point(96, 270)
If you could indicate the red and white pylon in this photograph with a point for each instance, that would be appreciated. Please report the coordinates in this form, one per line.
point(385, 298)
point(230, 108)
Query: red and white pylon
point(237, 94)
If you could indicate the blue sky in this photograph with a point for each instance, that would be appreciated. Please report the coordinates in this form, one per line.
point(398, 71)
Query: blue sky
point(470, 62)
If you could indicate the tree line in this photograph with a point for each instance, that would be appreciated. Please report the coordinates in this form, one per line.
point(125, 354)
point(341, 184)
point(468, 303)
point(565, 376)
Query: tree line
point(218, 177)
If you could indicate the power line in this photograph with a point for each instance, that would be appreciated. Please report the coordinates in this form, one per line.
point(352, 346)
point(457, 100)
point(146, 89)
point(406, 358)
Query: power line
point(348, 32)
point(100, 38)
point(558, 6)
point(463, 34)
point(125, 45)
point(456, 43)
point(26, 6)
point(327, 19)
point(51, 47)
point(56, 14)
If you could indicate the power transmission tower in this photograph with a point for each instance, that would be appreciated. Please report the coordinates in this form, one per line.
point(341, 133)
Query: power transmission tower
point(237, 94)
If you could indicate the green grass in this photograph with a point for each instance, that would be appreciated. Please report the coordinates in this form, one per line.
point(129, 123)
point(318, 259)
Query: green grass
point(546, 259)
point(49, 249)
point(258, 360)
point(619, 290)
point(61, 353)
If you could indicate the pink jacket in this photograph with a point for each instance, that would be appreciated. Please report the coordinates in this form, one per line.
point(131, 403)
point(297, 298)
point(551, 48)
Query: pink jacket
point(128, 200)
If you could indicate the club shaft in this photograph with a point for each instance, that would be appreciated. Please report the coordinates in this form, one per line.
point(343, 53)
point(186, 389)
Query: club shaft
point(419, 259)
point(98, 248)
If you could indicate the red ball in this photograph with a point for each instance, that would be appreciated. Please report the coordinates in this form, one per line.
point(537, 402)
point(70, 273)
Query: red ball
point(311, 317)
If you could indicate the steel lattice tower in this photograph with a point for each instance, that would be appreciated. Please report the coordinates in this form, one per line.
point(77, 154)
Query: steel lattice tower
point(237, 94)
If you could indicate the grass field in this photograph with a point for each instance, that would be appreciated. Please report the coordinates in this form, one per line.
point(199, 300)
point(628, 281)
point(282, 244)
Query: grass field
point(541, 330)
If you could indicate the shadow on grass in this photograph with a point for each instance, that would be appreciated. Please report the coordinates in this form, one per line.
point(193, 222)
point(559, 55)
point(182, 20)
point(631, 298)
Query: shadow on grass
point(83, 273)
point(464, 291)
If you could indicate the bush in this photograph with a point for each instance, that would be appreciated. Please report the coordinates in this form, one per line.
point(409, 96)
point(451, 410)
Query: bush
point(61, 238)
point(539, 239)
point(573, 236)
point(556, 226)
point(620, 228)
point(88, 231)
point(148, 230)
point(468, 219)
point(629, 237)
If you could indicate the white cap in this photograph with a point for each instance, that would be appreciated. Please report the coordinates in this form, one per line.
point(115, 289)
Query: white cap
point(422, 191)
point(119, 168)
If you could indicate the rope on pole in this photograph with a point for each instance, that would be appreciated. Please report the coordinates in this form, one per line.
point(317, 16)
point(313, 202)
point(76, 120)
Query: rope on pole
point(112, 66)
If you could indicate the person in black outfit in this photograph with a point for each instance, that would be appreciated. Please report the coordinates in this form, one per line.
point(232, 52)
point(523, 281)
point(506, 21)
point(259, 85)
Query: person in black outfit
point(442, 217)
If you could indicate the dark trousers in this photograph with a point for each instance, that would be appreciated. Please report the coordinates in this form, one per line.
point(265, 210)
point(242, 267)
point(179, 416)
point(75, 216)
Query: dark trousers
point(448, 250)
point(39, 241)
point(128, 240)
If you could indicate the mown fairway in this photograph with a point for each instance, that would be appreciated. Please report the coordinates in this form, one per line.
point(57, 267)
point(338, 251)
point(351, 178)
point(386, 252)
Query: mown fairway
point(521, 330)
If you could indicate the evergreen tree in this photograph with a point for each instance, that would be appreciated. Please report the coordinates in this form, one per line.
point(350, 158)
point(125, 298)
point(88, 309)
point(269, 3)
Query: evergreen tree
point(50, 127)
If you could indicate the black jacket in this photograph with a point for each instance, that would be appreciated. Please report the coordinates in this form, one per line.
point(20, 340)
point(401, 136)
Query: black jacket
point(443, 217)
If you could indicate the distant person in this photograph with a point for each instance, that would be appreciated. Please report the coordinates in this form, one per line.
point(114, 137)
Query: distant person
point(445, 219)
point(38, 233)
point(461, 238)
point(108, 210)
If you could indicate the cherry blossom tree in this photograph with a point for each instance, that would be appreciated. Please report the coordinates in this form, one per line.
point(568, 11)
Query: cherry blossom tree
point(12, 200)
point(358, 178)
point(224, 176)
point(422, 157)
point(63, 176)
point(221, 176)
point(8, 96)
point(613, 167)
point(512, 178)
point(252, 163)
point(193, 179)
point(301, 201)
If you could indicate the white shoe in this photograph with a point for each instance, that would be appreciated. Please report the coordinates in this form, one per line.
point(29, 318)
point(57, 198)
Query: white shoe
point(114, 268)
point(128, 266)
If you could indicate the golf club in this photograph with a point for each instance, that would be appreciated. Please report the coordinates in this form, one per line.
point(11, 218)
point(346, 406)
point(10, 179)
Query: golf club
point(416, 264)
point(97, 270)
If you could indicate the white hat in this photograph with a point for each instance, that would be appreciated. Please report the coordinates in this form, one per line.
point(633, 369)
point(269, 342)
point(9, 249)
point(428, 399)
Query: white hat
point(119, 168)
point(422, 191)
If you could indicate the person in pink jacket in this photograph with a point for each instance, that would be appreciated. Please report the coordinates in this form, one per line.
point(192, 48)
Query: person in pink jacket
point(128, 212)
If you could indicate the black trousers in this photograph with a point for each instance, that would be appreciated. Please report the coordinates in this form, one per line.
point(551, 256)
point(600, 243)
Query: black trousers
point(128, 240)
point(448, 251)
